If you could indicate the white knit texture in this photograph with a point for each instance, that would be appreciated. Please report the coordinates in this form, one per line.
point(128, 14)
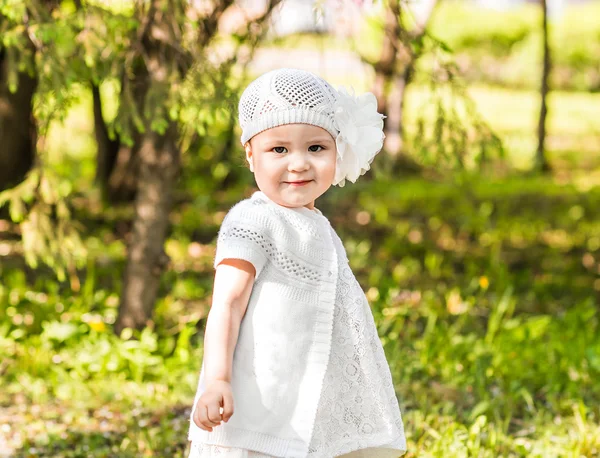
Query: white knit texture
point(286, 96)
point(200, 450)
point(317, 407)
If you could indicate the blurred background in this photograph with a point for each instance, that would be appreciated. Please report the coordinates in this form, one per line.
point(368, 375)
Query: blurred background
point(476, 234)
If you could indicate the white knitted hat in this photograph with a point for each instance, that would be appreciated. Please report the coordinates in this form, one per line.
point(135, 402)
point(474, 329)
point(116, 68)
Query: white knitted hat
point(288, 96)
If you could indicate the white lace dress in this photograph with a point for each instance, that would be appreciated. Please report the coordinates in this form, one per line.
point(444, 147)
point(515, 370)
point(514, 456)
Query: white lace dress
point(357, 379)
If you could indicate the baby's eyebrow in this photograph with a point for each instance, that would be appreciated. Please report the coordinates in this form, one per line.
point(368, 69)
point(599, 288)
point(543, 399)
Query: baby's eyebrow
point(281, 141)
point(321, 139)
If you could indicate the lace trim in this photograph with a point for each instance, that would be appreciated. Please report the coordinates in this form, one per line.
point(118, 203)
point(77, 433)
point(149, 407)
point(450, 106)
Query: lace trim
point(358, 406)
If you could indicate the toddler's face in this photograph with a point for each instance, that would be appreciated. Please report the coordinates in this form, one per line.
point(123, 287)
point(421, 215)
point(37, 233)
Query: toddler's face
point(293, 164)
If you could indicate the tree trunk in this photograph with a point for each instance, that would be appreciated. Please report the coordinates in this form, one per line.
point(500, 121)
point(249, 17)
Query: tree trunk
point(400, 80)
point(146, 260)
point(541, 160)
point(159, 164)
point(117, 165)
point(401, 86)
point(18, 129)
point(18, 132)
point(107, 148)
point(385, 67)
point(124, 177)
point(393, 125)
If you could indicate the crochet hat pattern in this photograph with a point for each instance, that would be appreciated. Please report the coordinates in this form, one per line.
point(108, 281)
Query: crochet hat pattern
point(287, 96)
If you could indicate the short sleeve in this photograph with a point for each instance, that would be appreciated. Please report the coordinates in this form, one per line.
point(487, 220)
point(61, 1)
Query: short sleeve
point(242, 236)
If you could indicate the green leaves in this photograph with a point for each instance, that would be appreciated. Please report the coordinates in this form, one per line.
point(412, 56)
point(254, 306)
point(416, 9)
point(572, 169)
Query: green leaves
point(49, 235)
point(450, 133)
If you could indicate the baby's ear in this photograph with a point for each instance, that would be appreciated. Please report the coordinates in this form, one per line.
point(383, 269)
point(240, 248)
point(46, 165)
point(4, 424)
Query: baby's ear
point(249, 158)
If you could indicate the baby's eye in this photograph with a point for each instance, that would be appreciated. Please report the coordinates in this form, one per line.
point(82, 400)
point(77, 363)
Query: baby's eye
point(279, 149)
point(310, 148)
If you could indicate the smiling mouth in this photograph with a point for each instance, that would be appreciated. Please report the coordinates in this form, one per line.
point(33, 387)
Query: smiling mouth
point(298, 183)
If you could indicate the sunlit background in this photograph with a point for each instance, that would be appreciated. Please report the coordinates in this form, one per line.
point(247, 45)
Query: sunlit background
point(475, 236)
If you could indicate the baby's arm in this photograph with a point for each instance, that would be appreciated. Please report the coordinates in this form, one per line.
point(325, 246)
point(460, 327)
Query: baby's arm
point(234, 279)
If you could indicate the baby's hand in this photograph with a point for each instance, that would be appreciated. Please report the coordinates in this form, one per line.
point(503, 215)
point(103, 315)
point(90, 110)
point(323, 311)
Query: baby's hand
point(208, 409)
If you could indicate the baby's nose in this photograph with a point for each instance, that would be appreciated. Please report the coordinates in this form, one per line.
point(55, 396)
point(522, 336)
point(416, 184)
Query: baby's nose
point(298, 162)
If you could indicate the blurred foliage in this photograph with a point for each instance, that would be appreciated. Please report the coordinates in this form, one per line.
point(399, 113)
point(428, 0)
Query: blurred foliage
point(72, 45)
point(501, 47)
point(48, 232)
point(505, 47)
point(449, 132)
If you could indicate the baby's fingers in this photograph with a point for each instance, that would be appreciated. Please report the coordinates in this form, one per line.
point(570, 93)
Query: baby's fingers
point(227, 406)
point(201, 418)
point(214, 413)
point(197, 417)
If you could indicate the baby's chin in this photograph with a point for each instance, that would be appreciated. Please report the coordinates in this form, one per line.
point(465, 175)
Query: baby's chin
point(295, 203)
point(291, 198)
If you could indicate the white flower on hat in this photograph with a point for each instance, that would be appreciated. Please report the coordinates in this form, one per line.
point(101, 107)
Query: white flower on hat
point(360, 135)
